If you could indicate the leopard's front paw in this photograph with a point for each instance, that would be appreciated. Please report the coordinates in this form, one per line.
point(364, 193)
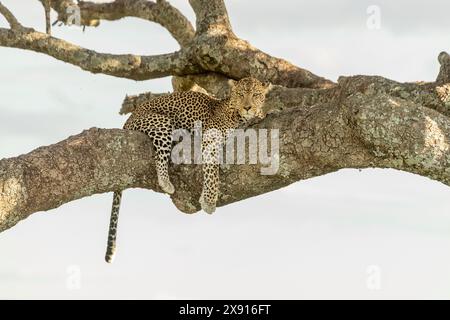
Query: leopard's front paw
point(207, 206)
point(167, 186)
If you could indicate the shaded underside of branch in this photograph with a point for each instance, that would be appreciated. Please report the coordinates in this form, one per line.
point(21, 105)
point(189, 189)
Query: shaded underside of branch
point(236, 58)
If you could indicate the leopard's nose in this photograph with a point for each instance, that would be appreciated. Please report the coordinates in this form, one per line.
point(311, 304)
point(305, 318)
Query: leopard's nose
point(247, 107)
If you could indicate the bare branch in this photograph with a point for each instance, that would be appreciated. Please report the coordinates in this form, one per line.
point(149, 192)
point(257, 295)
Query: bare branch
point(216, 51)
point(237, 59)
point(70, 169)
point(161, 12)
point(12, 20)
point(359, 122)
point(120, 65)
point(398, 131)
point(363, 122)
point(47, 8)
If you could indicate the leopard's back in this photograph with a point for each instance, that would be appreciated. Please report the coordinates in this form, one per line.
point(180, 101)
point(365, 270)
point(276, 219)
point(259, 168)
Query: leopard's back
point(184, 108)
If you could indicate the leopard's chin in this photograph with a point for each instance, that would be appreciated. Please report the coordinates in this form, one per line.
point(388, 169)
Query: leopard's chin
point(248, 116)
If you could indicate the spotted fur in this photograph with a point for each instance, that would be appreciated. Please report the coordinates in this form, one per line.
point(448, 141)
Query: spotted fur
point(182, 110)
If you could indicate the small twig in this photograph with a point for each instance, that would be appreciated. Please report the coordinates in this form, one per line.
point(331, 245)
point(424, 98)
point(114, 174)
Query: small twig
point(12, 21)
point(48, 26)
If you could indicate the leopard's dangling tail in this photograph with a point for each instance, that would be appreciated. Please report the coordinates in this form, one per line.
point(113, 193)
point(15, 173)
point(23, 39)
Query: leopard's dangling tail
point(112, 235)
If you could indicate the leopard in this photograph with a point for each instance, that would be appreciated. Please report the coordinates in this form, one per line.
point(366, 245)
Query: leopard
point(160, 116)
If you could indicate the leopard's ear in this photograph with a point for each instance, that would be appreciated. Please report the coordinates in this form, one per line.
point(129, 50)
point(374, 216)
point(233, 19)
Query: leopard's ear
point(267, 85)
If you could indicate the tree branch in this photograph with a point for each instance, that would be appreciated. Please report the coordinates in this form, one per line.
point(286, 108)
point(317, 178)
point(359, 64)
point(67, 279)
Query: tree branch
point(161, 12)
point(218, 49)
point(236, 58)
point(363, 122)
point(214, 48)
point(360, 122)
point(76, 167)
point(10, 18)
point(119, 65)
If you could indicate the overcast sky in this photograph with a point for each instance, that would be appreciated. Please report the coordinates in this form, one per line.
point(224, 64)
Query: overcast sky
point(350, 234)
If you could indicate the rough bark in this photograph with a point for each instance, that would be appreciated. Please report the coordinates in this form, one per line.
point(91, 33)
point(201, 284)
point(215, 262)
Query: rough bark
point(363, 122)
point(359, 122)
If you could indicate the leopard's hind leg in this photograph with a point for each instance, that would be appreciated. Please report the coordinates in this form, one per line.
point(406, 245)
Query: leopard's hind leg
point(159, 128)
point(211, 145)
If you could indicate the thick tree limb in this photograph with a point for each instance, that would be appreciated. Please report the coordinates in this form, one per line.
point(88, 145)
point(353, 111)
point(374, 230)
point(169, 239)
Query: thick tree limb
point(237, 59)
point(363, 122)
point(218, 49)
point(50, 176)
point(161, 12)
point(119, 65)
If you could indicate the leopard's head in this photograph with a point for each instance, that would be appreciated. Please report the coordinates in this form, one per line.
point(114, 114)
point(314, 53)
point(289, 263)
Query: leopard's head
point(247, 97)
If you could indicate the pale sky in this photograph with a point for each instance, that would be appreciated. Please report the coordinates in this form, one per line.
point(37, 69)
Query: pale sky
point(350, 234)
